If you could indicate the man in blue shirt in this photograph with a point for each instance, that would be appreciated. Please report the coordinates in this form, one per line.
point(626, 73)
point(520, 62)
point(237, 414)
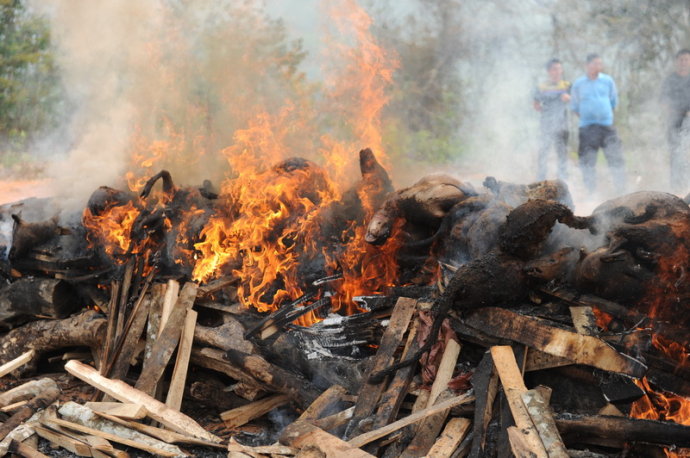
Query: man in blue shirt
point(593, 98)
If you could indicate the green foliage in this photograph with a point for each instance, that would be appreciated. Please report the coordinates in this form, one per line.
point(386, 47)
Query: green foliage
point(425, 110)
point(29, 86)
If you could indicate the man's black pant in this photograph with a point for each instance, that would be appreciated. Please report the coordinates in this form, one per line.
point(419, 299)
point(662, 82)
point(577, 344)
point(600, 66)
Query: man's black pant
point(592, 138)
point(678, 142)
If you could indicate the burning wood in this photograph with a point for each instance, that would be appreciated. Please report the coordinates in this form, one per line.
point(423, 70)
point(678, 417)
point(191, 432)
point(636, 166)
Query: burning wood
point(265, 303)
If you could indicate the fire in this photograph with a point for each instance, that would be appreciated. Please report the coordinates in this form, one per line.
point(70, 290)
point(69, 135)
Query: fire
point(662, 406)
point(271, 233)
point(111, 229)
point(280, 222)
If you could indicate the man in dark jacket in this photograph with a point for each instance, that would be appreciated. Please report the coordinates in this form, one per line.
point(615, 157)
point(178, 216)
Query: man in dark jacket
point(551, 98)
point(675, 96)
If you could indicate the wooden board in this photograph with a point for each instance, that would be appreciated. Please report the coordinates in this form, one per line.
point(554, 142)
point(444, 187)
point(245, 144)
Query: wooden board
point(513, 387)
point(127, 411)
point(164, 346)
point(179, 375)
point(455, 431)
point(365, 438)
point(246, 413)
point(325, 402)
point(430, 428)
point(16, 362)
point(302, 434)
point(539, 334)
point(538, 410)
point(122, 392)
point(369, 394)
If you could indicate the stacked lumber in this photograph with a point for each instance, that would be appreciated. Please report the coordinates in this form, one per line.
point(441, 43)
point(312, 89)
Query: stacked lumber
point(502, 413)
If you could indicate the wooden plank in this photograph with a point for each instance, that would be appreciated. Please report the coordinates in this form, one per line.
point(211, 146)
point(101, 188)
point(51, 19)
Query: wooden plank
point(125, 393)
point(302, 434)
point(538, 360)
point(234, 446)
point(17, 362)
point(454, 432)
point(333, 421)
point(513, 387)
point(100, 447)
point(155, 364)
point(172, 292)
point(15, 406)
point(406, 434)
point(369, 394)
point(214, 359)
point(166, 435)
point(120, 360)
point(153, 323)
point(248, 412)
point(278, 379)
point(518, 443)
point(179, 375)
point(538, 410)
point(427, 430)
point(587, 429)
point(77, 447)
point(430, 428)
point(39, 402)
point(111, 437)
point(393, 397)
point(485, 383)
point(365, 438)
point(128, 411)
point(325, 402)
point(24, 450)
point(584, 320)
point(112, 323)
point(539, 334)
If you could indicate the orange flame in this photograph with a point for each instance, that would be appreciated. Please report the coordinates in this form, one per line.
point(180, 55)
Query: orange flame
point(111, 229)
point(268, 229)
point(662, 406)
point(271, 226)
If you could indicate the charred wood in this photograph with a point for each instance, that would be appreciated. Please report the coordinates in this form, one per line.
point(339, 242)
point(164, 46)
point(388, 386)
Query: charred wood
point(587, 429)
point(28, 297)
point(279, 379)
point(85, 329)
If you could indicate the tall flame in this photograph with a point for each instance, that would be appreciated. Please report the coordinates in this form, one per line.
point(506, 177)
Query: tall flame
point(274, 228)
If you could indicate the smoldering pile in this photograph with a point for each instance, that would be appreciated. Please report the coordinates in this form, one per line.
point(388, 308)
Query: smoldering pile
point(594, 308)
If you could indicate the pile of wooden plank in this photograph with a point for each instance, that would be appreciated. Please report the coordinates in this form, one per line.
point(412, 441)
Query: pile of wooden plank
point(141, 409)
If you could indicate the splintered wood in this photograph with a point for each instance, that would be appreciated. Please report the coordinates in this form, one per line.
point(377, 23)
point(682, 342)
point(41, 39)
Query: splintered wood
point(153, 339)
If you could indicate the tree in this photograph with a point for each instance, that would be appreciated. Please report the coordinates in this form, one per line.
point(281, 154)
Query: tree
point(29, 87)
point(425, 111)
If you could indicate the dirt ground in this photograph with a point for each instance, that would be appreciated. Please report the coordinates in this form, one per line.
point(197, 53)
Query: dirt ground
point(13, 190)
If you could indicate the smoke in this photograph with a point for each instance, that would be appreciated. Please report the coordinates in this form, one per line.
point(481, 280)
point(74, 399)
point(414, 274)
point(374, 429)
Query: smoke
point(512, 42)
point(166, 84)
point(100, 49)
point(160, 84)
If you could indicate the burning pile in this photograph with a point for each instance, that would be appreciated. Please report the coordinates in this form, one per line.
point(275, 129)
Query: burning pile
point(288, 294)
point(312, 271)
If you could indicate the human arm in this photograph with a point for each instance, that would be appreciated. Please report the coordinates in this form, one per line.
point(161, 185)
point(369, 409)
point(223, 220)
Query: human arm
point(536, 99)
point(613, 94)
point(575, 99)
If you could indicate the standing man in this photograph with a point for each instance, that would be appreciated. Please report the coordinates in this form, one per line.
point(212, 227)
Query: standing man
point(675, 97)
point(551, 98)
point(593, 98)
